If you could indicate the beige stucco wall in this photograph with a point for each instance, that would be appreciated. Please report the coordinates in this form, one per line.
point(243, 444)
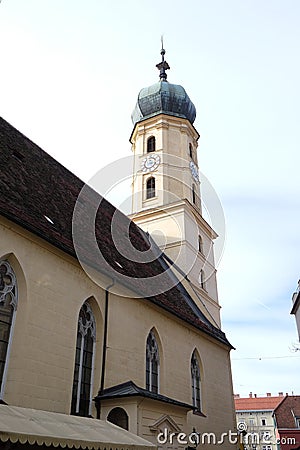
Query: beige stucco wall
point(173, 176)
point(176, 229)
point(52, 288)
point(171, 217)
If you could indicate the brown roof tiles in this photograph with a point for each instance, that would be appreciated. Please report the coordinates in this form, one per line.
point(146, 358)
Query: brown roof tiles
point(257, 403)
point(40, 194)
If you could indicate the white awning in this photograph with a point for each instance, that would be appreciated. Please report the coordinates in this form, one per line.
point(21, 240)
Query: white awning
point(49, 428)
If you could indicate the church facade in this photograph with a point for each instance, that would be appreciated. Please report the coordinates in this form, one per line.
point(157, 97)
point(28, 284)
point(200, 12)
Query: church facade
point(142, 348)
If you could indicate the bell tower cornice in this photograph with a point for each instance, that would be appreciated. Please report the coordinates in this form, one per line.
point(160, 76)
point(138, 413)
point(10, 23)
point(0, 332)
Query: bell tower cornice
point(164, 121)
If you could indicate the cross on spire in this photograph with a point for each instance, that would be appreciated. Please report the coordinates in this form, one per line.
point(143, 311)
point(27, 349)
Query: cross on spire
point(163, 65)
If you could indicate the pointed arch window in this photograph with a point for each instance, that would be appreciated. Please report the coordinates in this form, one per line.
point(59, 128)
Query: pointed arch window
point(150, 188)
point(151, 144)
point(152, 364)
point(8, 308)
point(84, 363)
point(196, 382)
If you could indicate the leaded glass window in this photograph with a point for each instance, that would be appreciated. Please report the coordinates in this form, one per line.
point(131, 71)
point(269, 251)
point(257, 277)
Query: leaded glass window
point(196, 382)
point(152, 364)
point(8, 306)
point(84, 363)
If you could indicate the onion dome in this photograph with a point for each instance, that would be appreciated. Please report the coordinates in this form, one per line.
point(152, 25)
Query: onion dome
point(163, 98)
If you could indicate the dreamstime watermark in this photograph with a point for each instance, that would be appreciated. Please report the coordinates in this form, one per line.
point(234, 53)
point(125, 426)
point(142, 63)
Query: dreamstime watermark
point(240, 436)
point(196, 438)
point(96, 260)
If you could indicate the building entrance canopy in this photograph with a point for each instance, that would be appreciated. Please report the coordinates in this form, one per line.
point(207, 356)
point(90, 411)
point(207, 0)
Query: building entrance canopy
point(32, 426)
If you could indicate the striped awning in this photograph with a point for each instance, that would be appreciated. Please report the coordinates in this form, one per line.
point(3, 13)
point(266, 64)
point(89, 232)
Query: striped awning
point(33, 426)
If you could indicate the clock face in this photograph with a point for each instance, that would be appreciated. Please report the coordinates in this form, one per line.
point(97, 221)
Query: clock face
point(150, 163)
point(194, 171)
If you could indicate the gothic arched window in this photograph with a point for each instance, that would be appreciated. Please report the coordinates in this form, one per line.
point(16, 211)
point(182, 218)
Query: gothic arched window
point(151, 144)
point(196, 381)
point(152, 364)
point(8, 307)
point(150, 188)
point(119, 417)
point(84, 363)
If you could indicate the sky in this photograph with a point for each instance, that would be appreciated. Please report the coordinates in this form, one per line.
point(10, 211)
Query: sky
point(70, 74)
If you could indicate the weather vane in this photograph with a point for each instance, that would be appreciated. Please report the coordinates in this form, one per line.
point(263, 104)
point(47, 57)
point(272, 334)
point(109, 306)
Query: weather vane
point(163, 65)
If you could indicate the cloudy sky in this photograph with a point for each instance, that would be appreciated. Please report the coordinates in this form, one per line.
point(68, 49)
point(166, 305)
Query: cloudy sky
point(70, 74)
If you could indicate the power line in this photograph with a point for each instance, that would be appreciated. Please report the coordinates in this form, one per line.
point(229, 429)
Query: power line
point(259, 358)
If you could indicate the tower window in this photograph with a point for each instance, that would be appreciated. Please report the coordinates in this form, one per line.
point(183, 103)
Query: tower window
point(200, 244)
point(191, 150)
point(150, 188)
point(193, 194)
point(84, 363)
point(202, 279)
point(151, 144)
point(152, 363)
point(8, 307)
point(196, 381)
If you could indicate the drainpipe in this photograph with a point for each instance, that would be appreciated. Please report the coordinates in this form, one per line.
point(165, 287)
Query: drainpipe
point(104, 347)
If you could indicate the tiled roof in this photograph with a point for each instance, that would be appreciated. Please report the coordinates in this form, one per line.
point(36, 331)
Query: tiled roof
point(287, 411)
point(130, 389)
point(257, 403)
point(39, 194)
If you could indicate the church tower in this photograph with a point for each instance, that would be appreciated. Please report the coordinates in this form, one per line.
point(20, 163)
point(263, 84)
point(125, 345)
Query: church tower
point(166, 200)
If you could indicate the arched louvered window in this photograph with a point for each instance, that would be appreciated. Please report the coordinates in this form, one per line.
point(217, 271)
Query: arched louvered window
point(150, 188)
point(152, 364)
point(119, 417)
point(196, 381)
point(151, 144)
point(8, 307)
point(84, 363)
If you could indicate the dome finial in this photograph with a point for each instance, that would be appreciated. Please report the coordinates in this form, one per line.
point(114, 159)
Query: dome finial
point(163, 65)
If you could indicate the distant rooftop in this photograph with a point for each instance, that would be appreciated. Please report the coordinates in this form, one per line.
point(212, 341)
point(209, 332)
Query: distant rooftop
point(254, 403)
